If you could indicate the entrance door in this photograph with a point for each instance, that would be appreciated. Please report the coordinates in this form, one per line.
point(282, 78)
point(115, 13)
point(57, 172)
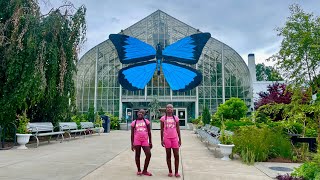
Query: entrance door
point(129, 115)
point(182, 114)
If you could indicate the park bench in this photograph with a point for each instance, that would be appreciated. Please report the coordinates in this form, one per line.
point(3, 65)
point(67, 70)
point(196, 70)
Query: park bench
point(312, 141)
point(40, 129)
point(90, 127)
point(71, 127)
point(209, 134)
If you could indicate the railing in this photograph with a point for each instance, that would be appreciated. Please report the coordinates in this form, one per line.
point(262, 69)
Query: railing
point(3, 133)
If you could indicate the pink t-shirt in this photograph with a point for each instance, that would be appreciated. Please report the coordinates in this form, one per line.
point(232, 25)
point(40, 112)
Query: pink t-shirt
point(170, 130)
point(140, 130)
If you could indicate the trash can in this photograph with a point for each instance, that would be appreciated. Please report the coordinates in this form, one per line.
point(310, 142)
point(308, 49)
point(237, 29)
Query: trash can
point(105, 123)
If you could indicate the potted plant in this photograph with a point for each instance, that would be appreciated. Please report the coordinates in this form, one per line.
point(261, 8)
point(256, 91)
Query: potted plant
point(98, 123)
point(190, 124)
point(23, 134)
point(226, 143)
point(197, 123)
point(124, 125)
point(156, 124)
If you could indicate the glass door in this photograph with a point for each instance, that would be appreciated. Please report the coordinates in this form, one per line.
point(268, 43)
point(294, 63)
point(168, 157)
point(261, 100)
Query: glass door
point(182, 114)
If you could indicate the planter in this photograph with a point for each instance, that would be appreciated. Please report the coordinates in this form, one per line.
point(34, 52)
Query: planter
point(190, 126)
point(23, 139)
point(226, 150)
point(124, 126)
point(195, 127)
point(155, 125)
point(100, 130)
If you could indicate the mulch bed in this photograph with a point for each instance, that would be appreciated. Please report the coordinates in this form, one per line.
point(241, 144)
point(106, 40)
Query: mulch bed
point(279, 159)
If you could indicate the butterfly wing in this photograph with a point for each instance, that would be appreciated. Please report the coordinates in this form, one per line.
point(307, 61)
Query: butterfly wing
point(186, 50)
point(137, 76)
point(131, 50)
point(180, 77)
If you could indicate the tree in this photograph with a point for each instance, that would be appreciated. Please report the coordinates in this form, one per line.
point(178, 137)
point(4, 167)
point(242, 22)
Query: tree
point(276, 94)
point(206, 117)
point(267, 73)
point(38, 55)
point(154, 108)
point(299, 55)
point(234, 109)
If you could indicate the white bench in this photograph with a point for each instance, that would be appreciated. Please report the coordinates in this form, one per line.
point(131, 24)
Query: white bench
point(209, 134)
point(71, 127)
point(89, 126)
point(39, 129)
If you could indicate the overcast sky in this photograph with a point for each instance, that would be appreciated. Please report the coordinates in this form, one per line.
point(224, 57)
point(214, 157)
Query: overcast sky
point(248, 26)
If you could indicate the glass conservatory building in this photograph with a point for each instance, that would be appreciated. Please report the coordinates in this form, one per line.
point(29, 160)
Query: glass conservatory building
point(225, 74)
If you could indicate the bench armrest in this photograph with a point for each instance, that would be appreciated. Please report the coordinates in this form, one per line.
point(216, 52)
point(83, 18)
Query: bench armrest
point(34, 129)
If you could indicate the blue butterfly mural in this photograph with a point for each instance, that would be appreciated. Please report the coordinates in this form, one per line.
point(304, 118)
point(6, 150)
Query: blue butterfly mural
point(144, 60)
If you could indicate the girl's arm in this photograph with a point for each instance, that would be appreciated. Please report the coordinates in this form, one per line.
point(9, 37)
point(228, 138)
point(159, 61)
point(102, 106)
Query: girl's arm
point(149, 134)
point(178, 131)
point(161, 132)
point(132, 137)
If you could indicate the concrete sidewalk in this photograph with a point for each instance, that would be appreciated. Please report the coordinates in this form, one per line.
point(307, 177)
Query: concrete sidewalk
point(197, 162)
point(109, 157)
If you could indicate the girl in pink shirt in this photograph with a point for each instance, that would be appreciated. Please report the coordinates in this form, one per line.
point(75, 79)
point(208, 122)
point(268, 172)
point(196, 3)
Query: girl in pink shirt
point(170, 138)
point(140, 134)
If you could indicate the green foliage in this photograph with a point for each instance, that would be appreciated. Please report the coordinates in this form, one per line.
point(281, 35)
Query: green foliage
point(225, 138)
point(267, 73)
point(79, 118)
point(273, 112)
point(261, 117)
point(101, 112)
point(156, 121)
point(154, 108)
point(299, 53)
point(22, 124)
point(114, 121)
point(38, 55)
point(197, 120)
point(308, 170)
point(235, 125)
point(98, 120)
point(215, 120)
point(234, 108)
point(206, 117)
point(91, 116)
point(258, 144)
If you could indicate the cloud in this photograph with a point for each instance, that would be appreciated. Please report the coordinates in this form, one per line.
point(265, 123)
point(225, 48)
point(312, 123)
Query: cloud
point(248, 26)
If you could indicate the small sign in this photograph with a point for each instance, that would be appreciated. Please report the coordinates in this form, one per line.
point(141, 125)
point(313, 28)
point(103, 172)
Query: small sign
point(129, 113)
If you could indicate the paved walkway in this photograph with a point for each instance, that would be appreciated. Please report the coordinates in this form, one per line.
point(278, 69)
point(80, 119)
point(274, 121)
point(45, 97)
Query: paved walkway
point(109, 157)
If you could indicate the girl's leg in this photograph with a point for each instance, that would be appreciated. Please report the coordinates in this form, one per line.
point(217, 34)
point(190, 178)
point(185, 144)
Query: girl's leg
point(137, 157)
point(146, 150)
point(176, 159)
point(168, 152)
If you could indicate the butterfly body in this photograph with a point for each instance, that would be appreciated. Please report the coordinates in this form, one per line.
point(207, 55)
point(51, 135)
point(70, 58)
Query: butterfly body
point(159, 57)
point(144, 60)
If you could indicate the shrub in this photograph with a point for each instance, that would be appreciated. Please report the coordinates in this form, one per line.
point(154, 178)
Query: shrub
point(197, 120)
point(309, 170)
point(79, 118)
point(215, 120)
point(235, 125)
point(114, 122)
point(206, 117)
point(234, 108)
point(258, 144)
